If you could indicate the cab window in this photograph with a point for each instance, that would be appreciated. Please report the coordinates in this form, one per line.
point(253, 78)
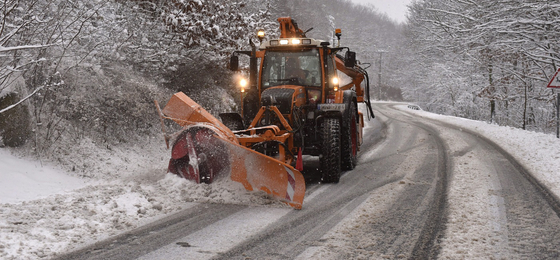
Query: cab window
point(291, 68)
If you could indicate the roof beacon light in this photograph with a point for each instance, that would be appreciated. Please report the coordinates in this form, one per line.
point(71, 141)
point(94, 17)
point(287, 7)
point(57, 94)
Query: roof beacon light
point(283, 42)
point(338, 33)
point(296, 41)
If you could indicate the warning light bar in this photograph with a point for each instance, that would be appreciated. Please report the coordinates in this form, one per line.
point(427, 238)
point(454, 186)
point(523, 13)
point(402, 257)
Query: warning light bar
point(291, 41)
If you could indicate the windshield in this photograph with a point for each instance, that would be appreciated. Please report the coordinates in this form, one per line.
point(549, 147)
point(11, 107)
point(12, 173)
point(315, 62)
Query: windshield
point(291, 68)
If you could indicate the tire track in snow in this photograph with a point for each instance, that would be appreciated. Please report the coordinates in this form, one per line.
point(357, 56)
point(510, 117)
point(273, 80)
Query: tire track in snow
point(511, 214)
point(140, 241)
point(427, 246)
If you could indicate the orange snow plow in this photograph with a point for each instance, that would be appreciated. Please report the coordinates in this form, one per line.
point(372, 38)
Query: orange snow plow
point(292, 105)
point(206, 148)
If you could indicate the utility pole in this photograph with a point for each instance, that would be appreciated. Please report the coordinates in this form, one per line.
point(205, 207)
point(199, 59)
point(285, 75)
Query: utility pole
point(555, 83)
point(558, 114)
point(379, 75)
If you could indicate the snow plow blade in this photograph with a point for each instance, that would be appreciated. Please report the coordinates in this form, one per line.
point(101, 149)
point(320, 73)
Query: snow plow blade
point(206, 149)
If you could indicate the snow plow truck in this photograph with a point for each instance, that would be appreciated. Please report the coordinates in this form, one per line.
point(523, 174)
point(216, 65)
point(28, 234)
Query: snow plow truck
point(293, 104)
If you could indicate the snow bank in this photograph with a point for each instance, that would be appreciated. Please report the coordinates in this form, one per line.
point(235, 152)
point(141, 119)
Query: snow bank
point(46, 211)
point(22, 180)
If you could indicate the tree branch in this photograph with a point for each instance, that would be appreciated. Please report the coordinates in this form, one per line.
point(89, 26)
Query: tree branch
point(21, 101)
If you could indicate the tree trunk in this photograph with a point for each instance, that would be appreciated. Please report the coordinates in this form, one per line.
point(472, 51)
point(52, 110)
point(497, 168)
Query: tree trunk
point(14, 123)
point(525, 109)
point(492, 110)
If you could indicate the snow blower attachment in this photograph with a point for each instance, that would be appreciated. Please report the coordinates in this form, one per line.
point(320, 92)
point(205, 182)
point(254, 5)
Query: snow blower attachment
point(292, 105)
point(205, 148)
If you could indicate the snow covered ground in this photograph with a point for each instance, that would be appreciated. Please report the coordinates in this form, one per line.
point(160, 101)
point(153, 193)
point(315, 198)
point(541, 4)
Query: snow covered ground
point(45, 210)
point(23, 180)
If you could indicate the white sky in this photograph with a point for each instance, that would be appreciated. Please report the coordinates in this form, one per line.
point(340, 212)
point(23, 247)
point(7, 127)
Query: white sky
point(395, 9)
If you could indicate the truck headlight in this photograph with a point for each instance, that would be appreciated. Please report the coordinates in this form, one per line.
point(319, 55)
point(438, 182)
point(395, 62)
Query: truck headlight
point(243, 83)
point(335, 83)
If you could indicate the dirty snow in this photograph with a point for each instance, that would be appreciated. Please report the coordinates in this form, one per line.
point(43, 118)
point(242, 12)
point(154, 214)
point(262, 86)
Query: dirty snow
point(476, 227)
point(214, 239)
point(45, 210)
point(477, 224)
point(537, 152)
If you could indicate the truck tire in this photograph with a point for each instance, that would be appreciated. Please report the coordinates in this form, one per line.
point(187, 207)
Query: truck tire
point(330, 155)
point(350, 140)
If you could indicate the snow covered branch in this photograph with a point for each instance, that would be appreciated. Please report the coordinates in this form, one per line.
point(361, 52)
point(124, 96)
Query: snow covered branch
point(23, 47)
point(509, 47)
point(22, 100)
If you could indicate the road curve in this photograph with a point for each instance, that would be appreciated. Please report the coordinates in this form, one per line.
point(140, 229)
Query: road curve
point(496, 209)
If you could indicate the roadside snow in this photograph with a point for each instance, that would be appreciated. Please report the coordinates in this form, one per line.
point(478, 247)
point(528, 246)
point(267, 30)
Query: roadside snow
point(22, 180)
point(46, 211)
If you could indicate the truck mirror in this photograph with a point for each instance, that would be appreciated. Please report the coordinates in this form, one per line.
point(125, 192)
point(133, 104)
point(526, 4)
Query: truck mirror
point(350, 59)
point(234, 63)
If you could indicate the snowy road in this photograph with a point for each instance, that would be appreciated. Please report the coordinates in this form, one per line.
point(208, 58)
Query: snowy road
point(422, 188)
point(402, 169)
point(496, 209)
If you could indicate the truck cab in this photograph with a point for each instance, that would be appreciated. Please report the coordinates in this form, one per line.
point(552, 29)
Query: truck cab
point(295, 92)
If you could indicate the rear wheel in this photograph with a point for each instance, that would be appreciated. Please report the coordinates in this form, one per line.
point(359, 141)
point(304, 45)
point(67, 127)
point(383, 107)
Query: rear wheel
point(350, 140)
point(330, 156)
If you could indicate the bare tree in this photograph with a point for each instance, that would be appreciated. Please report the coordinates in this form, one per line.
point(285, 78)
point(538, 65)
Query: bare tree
point(507, 42)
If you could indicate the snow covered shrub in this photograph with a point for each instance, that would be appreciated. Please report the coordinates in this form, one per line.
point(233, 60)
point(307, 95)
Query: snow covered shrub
point(114, 107)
